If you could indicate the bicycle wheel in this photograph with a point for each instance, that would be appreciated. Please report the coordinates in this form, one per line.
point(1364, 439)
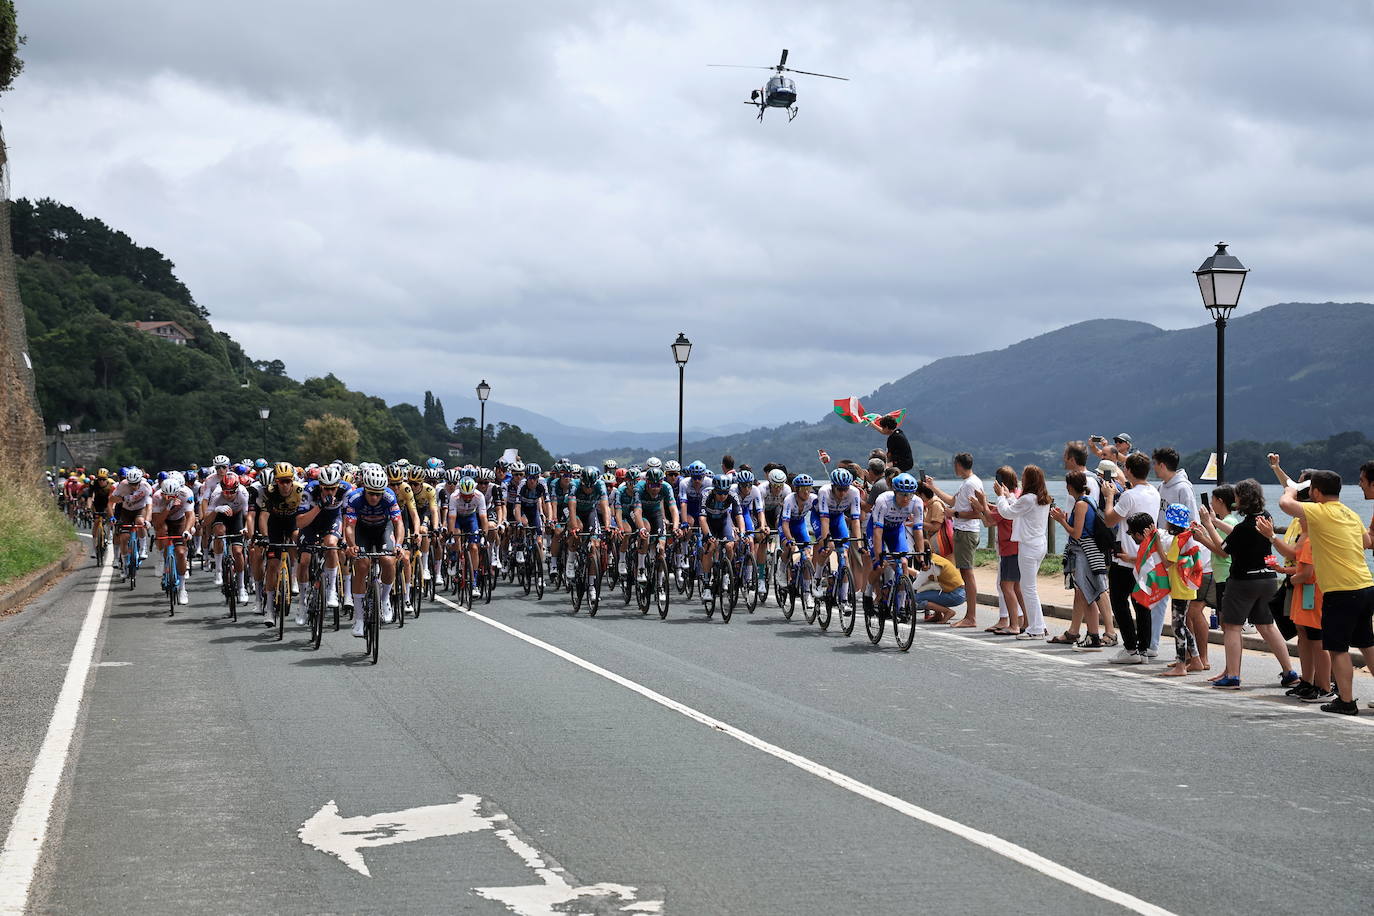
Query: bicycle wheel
point(768, 563)
point(642, 595)
point(662, 590)
point(749, 584)
point(904, 614)
point(846, 601)
point(874, 619)
point(316, 614)
point(577, 582)
point(725, 582)
point(374, 624)
point(283, 600)
point(826, 603)
point(595, 577)
point(805, 585)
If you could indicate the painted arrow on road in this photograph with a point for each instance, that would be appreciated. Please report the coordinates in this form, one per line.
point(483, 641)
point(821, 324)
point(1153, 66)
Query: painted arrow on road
point(347, 837)
point(556, 892)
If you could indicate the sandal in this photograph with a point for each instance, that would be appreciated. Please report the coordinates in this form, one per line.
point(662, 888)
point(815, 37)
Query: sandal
point(1064, 639)
point(1109, 640)
point(1004, 631)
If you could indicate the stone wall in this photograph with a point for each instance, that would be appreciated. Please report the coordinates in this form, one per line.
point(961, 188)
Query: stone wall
point(21, 423)
point(85, 448)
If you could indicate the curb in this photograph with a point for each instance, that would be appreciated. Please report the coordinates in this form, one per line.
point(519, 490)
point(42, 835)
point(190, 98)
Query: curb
point(1214, 637)
point(35, 582)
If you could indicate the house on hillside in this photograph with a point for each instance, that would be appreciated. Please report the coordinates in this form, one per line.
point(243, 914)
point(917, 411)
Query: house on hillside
point(165, 330)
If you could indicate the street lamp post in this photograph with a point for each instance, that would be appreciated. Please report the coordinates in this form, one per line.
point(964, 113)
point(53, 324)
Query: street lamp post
point(61, 447)
point(682, 348)
point(483, 392)
point(263, 414)
point(1220, 278)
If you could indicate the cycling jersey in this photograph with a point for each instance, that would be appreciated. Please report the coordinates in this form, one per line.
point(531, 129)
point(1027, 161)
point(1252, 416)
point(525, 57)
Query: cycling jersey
point(279, 505)
point(405, 496)
point(893, 520)
point(795, 514)
point(175, 506)
point(531, 500)
point(100, 493)
point(468, 511)
point(424, 496)
point(625, 500)
point(750, 504)
point(650, 505)
point(690, 494)
point(835, 503)
point(132, 497)
point(561, 491)
point(357, 509)
point(585, 499)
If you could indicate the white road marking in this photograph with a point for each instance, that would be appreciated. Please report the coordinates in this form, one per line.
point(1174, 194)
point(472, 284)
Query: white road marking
point(551, 896)
point(113, 664)
point(991, 842)
point(24, 845)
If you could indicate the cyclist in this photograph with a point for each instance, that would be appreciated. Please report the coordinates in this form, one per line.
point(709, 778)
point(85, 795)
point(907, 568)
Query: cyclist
point(560, 491)
point(893, 513)
point(320, 520)
point(532, 507)
point(720, 518)
point(467, 518)
point(174, 516)
point(212, 482)
point(229, 510)
point(133, 499)
point(427, 513)
point(410, 518)
point(590, 509)
point(281, 503)
point(655, 510)
point(372, 524)
point(750, 499)
point(794, 524)
point(837, 505)
point(99, 501)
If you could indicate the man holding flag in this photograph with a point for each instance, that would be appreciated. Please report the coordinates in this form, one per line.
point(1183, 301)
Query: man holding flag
point(898, 448)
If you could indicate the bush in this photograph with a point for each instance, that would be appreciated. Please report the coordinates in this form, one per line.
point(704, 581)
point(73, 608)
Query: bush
point(1052, 565)
point(32, 533)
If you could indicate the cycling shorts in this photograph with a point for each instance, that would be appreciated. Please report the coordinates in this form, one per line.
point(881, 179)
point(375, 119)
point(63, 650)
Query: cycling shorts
point(839, 527)
point(233, 524)
point(374, 538)
point(591, 520)
point(317, 530)
point(798, 530)
point(466, 524)
point(771, 514)
point(723, 527)
point(895, 541)
point(175, 526)
point(125, 516)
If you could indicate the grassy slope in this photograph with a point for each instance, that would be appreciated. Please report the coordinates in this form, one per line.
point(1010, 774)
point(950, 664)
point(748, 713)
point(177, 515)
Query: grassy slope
point(32, 534)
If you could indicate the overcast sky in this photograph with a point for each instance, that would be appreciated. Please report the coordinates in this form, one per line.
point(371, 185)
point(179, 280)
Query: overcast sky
point(543, 194)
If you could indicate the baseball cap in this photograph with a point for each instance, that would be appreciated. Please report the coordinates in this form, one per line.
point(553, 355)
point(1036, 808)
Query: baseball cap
point(1123, 437)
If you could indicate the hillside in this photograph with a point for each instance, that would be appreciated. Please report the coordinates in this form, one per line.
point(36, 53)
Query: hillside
point(1021, 403)
point(562, 438)
point(82, 282)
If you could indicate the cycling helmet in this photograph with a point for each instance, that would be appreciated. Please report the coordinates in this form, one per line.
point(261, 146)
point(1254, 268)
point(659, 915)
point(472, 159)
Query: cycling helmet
point(653, 476)
point(608, 478)
point(577, 469)
point(330, 476)
point(240, 469)
point(191, 476)
point(374, 480)
point(169, 487)
point(560, 466)
point(312, 473)
point(904, 483)
point(696, 469)
point(452, 475)
point(260, 464)
point(134, 475)
point(777, 476)
point(487, 475)
point(589, 475)
point(396, 472)
point(403, 462)
point(672, 467)
point(284, 470)
point(162, 475)
point(654, 462)
point(517, 468)
point(721, 484)
point(467, 486)
point(1178, 514)
point(103, 473)
point(533, 469)
point(620, 474)
point(468, 471)
point(803, 480)
point(230, 482)
point(609, 464)
point(436, 475)
point(502, 464)
point(221, 461)
point(744, 478)
point(434, 464)
point(841, 478)
point(415, 473)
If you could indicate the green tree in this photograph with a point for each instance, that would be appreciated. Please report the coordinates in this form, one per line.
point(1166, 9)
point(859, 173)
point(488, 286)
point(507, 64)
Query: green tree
point(10, 40)
point(328, 437)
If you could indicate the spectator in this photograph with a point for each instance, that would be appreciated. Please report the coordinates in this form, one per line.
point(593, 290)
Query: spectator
point(968, 505)
point(727, 463)
point(1109, 475)
point(1305, 607)
point(1133, 620)
point(939, 526)
point(879, 480)
point(898, 448)
point(939, 602)
point(1175, 489)
point(1085, 566)
point(1030, 515)
point(1250, 586)
point(1076, 459)
point(1339, 540)
point(1116, 452)
point(1181, 555)
point(1011, 607)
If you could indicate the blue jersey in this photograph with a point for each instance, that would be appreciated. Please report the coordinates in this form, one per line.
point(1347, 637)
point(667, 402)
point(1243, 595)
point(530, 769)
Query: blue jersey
point(652, 506)
point(561, 491)
point(691, 493)
point(719, 505)
point(532, 497)
point(330, 508)
point(585, 498)
point(625, 499)
point(357, 509)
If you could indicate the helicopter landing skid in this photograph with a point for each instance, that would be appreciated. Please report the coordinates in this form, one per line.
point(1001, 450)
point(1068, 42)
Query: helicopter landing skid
point(791, 114)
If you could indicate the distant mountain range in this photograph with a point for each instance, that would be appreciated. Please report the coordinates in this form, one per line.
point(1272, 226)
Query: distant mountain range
point(560, 438)
point(1295, 371)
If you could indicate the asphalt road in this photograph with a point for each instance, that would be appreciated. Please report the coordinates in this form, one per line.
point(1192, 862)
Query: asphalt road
point(204, 746)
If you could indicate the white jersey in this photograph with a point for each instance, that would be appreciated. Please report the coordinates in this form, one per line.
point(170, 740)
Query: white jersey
point(773, 499)
point(795, 508)
point(238, 503)
point(132, 497)
point(887, 514)
point(750, 503)
point(834, 502)
point(175, 505)
point(477, 505)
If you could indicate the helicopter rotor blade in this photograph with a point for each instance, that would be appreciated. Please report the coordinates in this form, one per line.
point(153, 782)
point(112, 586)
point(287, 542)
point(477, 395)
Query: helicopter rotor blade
point(739, 66)
point(809, 73)
point(782, 61)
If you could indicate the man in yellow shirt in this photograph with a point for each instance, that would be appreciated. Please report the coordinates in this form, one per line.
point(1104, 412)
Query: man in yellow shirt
point(1339, 540)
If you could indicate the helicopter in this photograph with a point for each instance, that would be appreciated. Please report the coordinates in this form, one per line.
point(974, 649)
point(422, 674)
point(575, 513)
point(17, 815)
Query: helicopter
point(779, 91)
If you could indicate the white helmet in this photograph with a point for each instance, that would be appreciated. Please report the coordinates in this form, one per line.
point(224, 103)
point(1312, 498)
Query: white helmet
point(374, 479)
point(777, 476)
point(134, 476)
point(653, 463)
point(330, 476)
point(170, 486)
point(221, 461)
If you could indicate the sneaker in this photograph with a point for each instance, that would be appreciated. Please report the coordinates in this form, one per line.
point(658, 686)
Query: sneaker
point(424, 574)
point(295, 588)
point(1299, 689)
point(270, 621)
point(388, 614)
point(300, 616)
point(1340, 706)
point(1150, 653)
point(1089, 643)
point(358, 628)
point(242, 597)
point(1317, 695)
point(1227, 683)
point(331, 601)
point(1289, 679)
point(1126, 657)
point(219, 577)
point(182, 597)
point(438, 580)
point(705, 593)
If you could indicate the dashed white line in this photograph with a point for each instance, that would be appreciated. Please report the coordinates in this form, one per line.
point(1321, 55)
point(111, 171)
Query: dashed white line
point(988, 841)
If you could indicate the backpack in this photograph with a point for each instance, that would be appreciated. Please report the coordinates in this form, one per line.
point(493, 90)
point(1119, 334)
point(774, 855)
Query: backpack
point(1101, 535)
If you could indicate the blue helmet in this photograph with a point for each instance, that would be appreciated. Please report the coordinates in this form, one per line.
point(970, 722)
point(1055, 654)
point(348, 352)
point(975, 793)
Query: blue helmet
point(904, 483)
point(161, 476)
point(240, 469)
point(1178, 514)
point(721, 484)
point(260, 464)
point(744, 477)
point(434, 464)
point(803, 480)
point(841, 478)
point(696, 469)
point(589, 475)
point(533, 470)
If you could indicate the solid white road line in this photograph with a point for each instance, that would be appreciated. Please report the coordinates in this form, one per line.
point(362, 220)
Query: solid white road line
point(1005, 848)
point(24, 845)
